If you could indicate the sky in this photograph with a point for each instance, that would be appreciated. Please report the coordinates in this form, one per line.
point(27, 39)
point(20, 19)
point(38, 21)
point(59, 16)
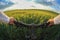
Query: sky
point(30, 4)
point(5, 4)
point(55, 4)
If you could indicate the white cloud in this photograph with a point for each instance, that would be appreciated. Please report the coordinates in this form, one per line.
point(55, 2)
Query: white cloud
point(50, 0)
point(18, 1)
point(23, 4)
point(14, 1)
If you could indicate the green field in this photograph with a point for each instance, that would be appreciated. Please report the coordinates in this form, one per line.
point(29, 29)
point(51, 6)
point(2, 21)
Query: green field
point(11, 32)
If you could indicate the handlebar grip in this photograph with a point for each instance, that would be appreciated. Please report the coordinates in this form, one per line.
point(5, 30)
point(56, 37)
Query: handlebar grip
point(44, 25)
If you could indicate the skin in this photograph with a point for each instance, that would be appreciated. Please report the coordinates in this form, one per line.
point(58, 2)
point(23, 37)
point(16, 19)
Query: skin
point(11, 20)
point(51, 22)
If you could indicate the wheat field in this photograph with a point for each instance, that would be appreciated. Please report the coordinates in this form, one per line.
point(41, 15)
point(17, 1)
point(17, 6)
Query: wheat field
point(11, 32)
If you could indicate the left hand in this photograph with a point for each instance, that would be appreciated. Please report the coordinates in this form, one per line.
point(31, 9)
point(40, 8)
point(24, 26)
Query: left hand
point(11, 20)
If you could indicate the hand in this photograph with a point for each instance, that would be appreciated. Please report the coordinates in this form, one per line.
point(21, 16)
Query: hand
point(51, 22)
point(11, 20)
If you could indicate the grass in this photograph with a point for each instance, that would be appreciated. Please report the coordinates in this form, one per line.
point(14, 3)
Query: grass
point(11, 32)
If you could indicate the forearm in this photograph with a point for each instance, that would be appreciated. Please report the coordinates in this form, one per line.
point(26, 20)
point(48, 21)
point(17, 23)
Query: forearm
point(4, 18)
point(57, 20)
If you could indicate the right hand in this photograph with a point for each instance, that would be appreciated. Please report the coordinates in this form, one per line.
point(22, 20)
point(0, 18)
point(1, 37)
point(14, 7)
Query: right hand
point(51, 22)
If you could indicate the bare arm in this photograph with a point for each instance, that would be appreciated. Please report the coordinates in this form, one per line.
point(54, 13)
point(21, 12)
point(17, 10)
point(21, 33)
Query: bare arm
point(55, 20)
point(4, 18)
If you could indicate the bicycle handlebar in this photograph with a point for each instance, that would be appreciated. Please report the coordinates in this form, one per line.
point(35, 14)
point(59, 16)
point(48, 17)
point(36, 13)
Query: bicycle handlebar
point(19, 24)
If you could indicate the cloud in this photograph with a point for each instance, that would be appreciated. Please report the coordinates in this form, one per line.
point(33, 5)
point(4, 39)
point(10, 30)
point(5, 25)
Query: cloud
point(45, 2)
point(18, 1)
point(54, 4)
point(34, 4)
point(2, 3)
point(50, 0)
point(24, 4)
point(5, 4)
